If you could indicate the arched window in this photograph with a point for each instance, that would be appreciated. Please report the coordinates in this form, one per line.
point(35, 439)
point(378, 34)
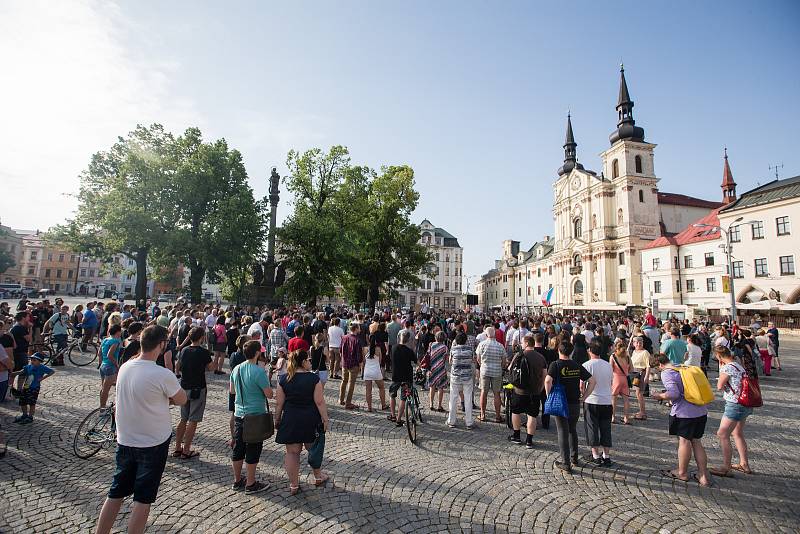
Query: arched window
point(576, 260)
point(577, 229)
point(615, 169)
point(578, 287)
point(594, 222)
point(638, 162)
point(619, 216)
point(641, 193)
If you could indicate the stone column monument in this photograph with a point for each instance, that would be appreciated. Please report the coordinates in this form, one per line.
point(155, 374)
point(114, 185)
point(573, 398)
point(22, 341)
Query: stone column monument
point(268, 276)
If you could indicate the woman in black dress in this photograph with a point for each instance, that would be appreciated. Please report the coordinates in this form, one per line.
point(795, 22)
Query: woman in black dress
point(301, 418)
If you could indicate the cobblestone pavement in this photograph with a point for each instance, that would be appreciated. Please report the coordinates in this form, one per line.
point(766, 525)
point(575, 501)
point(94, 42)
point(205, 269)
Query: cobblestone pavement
point(455, 480)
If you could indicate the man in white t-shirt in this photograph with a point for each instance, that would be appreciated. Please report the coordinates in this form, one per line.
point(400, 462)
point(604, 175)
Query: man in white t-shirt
point(335, 335)
point(597, 412)
point(144, 429)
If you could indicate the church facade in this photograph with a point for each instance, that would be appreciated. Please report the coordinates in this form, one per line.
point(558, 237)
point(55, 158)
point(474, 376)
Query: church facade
point(603, 220)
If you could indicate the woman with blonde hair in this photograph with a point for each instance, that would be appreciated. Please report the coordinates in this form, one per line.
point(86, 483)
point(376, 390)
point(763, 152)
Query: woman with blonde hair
point(319, 357)
point(620, 367)
point(762, 344)
point(640, 360)
point(301, 418)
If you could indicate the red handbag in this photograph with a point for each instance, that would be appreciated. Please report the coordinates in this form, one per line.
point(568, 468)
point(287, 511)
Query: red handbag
point(750, 394)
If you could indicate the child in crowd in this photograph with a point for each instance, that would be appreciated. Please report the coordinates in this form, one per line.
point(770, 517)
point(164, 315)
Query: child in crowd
point(35, 373)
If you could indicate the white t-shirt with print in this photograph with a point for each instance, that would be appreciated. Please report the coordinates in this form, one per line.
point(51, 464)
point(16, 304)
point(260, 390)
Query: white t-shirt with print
point(142, 405)
point(603, 376)
point(695, 355)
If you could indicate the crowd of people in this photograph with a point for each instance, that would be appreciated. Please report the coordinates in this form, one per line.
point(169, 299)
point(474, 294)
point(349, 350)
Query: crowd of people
point(543, 366)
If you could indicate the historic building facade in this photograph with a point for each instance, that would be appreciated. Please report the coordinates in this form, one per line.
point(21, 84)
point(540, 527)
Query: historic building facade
point(440, 286)
point(602, 222)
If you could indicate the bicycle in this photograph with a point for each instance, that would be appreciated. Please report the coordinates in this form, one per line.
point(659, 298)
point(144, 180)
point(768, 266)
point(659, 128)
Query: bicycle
point(413, 410)
point(97, 429)
point(73, 350)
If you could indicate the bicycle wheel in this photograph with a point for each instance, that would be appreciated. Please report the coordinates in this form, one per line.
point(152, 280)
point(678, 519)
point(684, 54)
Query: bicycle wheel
point(81, 357)
point(93, 432)
point(411, 421)
point(417, 409)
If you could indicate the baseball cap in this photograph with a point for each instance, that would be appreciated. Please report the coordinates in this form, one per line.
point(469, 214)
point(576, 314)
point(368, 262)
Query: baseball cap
point(37, 356)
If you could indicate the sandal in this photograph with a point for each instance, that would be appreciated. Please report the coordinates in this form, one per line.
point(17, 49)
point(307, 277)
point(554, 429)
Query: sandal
point(399, 423)
point(668, 473)
point(742, 469)
point(321, 481)
point(392, 418)
point(481, 418)
point(625, 421)
point(177, 453)
point(640, 417)
point(294, 490)
point(190, 455)
point(697, 479)
point(500, 420)
point(351, 407)
point(440, 409)
point(384, 408)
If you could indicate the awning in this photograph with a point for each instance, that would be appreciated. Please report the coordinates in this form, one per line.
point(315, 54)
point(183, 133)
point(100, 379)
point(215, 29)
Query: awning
point(761, 305)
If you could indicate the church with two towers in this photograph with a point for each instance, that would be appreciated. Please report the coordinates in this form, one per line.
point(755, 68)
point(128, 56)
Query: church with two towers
point(603, 219)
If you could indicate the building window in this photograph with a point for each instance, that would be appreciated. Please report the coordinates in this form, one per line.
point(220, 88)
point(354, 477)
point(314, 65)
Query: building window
point(594, 222)
point(576, 227)
point(638, 162)
point(576, 260)
point(447, 257)
point(761, 267)
point(711, 285)
point(519, 292)
point(623, 286)
point(435, 283)
point(738, 269)
point(30, 270)
point(783, 225)
point(758, 230)
point(73, 258)
point(61, 258)
point(412, 300)
point(615, 169)
point(34, 254)
point(678, 285)
point(657, 287)
point(550, 270)
point(529, 291)
point(505, 278)
point(620, 217)
point(539, 272)
point(538, 290)
point(427, 284)
point(47, 273)
point(736, 235)
point(690, 286)
point(656, 263)
point(83, 273)
point(578, 287)
point(687, 262)
point(709, 258)
point(622, 258)
point(69, 274)
point(59, 272)
point(91, 273)
point(787, 265)
point(437, 256)
point(49, 256)
point(447, 271)
point(447, 286)
point(641, 195)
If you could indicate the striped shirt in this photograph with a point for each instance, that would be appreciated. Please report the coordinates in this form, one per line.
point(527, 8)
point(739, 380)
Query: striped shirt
point(490, 354)
point(277, 340)
point(462, 368)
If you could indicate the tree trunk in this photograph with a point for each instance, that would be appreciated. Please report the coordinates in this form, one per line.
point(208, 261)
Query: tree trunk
point(141, 275)
point(372, 297)
point(196, 275)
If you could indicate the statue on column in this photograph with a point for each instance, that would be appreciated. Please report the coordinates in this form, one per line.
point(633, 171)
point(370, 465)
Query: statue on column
point(269, 275)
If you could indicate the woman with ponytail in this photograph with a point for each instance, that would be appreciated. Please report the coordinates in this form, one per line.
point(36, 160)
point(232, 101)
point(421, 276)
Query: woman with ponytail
point(301, 418)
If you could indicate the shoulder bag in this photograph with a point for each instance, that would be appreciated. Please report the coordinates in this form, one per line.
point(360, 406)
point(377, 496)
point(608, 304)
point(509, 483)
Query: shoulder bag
point(556, 403)
point(256, 428)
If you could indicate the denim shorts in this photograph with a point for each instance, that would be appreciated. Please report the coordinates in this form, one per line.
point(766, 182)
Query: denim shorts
point(139, 471)
point(736, 412)
point(107, 370)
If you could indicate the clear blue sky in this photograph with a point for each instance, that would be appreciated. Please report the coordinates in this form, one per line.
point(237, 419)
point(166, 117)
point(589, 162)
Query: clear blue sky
point(473, 95)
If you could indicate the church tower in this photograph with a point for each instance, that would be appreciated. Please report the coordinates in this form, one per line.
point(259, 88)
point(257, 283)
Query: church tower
point(629, 166)
point(728, 185)
point(570, 152)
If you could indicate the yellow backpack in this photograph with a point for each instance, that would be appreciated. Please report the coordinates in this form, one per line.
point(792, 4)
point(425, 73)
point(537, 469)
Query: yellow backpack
point(696, 388)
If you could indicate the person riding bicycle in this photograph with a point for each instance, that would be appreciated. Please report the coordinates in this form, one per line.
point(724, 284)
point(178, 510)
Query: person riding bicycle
point(402, 375)
point(59, 323)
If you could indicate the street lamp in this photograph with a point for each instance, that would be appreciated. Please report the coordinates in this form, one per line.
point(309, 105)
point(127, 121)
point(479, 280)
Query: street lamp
point(729, 253)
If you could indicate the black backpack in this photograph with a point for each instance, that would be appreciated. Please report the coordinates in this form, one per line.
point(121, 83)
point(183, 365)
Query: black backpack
point(520, 372)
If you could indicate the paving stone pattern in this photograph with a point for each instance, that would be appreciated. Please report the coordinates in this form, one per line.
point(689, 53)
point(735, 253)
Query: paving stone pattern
point(454, 480)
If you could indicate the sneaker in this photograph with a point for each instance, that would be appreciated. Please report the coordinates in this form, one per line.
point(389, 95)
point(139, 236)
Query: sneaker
point(564, 467)
point(607, 462)
point(20, 418)
point(529, 444)
point(514, 439)
point(26, 420)
point(575, 460)
point(596, 461)
point(257, 487)
point(239, 486)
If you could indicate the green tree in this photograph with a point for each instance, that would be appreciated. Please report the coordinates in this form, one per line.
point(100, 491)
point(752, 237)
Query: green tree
point(382, 249)
point(310, 238)
point(6, 259)
point(220, 225)
point(126, 200)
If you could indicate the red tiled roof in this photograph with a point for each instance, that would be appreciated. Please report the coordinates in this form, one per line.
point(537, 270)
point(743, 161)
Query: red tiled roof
point(692, 234)
point(683, 200)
